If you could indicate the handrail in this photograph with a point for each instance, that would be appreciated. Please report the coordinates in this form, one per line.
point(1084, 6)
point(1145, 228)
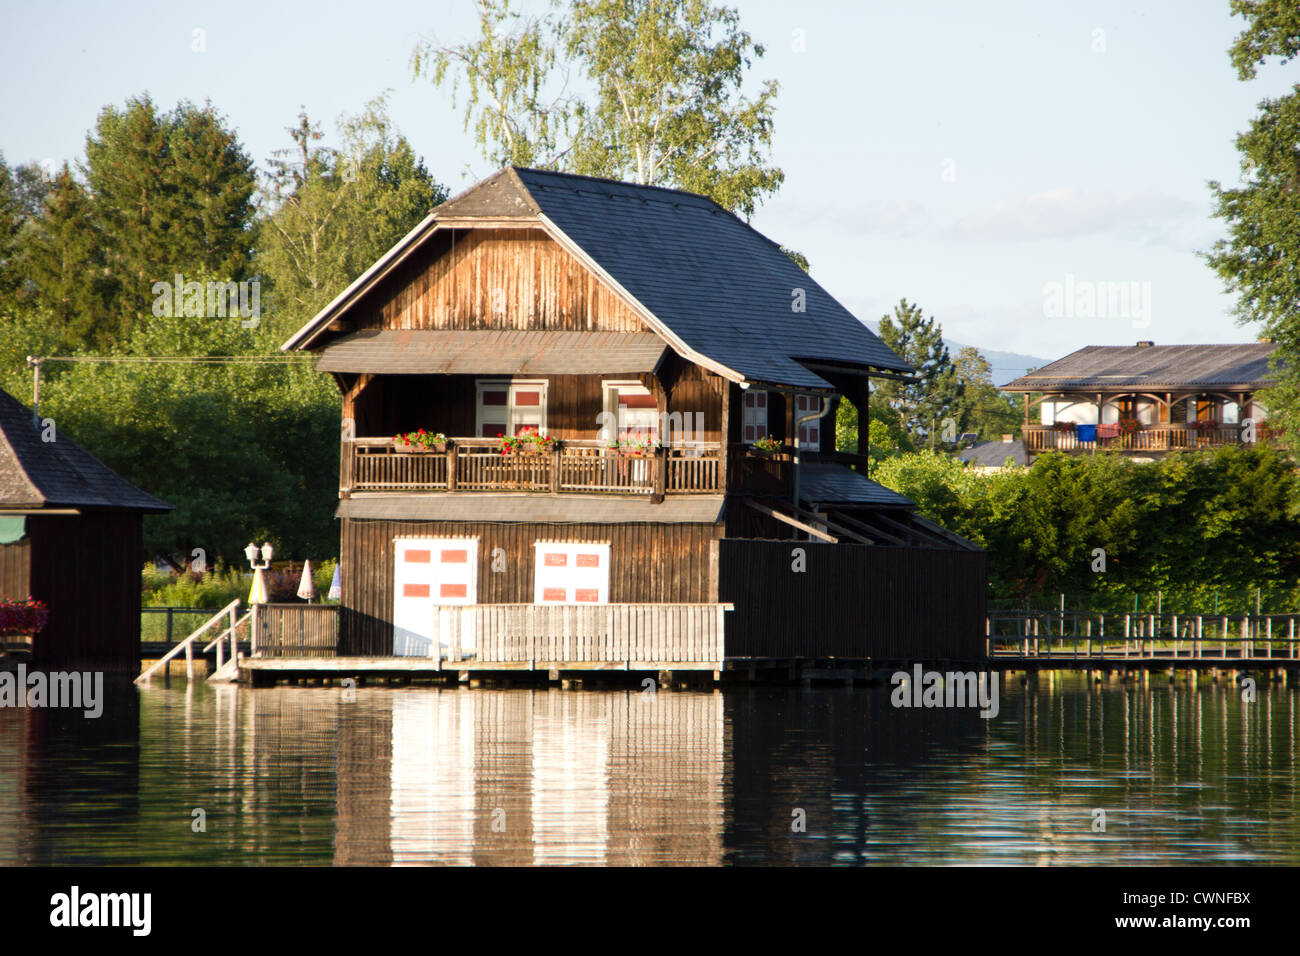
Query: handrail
point(186, 645)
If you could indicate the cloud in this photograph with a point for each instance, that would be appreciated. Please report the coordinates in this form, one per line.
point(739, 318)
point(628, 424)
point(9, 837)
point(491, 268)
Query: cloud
point(1068, 213)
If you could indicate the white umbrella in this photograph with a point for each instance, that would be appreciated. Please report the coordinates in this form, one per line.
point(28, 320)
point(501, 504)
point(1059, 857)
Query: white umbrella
point(336, 585)
point(258, 594)
point(306, 587)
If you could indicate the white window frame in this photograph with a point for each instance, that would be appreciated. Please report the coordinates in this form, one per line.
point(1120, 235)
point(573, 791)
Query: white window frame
point(813, 401)
point(609, 423)
point(752, 417)
point(512, 412)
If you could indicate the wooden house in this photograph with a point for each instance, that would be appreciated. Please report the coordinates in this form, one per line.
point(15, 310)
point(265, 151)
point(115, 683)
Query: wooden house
point(650, 338)
point(1147, 399)
point(70, 536)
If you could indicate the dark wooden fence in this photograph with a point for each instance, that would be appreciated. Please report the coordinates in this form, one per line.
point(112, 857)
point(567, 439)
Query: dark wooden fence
point(297, 630)
point(852, 601)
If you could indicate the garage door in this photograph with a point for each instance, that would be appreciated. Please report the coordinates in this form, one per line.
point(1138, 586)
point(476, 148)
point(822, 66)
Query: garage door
point(566, 572)
point(431, 573)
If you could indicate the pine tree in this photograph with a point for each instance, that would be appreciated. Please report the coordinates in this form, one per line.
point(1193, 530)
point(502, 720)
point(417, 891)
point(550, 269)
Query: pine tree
point(928, 407)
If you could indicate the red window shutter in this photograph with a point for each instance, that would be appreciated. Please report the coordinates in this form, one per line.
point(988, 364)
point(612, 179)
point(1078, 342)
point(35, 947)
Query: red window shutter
point(749, 399)
point(749, 433)
point(586, 595)
point(528, 398)
point(417, 557)
point(554, 594)
point(455, 557)
point(451, 590)
point(492, 430)
point(637, 401)
point(415, 590)
point(588, 560)
point(554, 560)
point(760, 400)
point(495, 398)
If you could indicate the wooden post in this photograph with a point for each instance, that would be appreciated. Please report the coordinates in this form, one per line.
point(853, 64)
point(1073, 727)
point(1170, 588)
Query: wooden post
point(1128, 631)
point(555, 470)
point(1223, 636)
point(660, 474)
point(451, 468)
point(1088, 626)
point(189, 661)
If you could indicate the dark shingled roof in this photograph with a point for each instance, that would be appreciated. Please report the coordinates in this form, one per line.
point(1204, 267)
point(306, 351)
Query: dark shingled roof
point(719, 284)
point(1120, 367)
point(512, 352)
point(57, 474)
point(718, 287)
point(840, 485)
point(994, 454)
point(548, 509)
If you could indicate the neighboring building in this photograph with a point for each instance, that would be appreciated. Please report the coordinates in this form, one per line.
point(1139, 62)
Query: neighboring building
point(603, 315)
point(70, 536)
point(995, 455)
point(1146, 399)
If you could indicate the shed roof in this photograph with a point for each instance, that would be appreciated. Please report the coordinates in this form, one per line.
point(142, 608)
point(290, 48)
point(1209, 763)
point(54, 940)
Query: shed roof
point(532, 508)
point(994, 454)
point(831, 484)
point(1103, 368)
point(412, 352)
point(719, 292)
point(37, 474)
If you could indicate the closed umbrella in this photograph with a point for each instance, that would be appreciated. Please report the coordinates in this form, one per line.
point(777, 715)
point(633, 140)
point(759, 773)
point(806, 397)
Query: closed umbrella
point(336, 585)
point(258, 594)
point(306, 587)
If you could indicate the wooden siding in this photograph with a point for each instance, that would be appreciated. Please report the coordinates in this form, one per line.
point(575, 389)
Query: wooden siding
point(87, 569)
point(15, 568)
point(497, 279)
point(649, 563)
point(853, 601)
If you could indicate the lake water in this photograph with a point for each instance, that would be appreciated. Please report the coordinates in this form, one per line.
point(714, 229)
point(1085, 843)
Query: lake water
point(297, 775)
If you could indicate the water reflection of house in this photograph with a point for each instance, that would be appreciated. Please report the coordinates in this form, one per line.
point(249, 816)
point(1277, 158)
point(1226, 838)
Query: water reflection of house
point(1146, 398)
point(532, 777)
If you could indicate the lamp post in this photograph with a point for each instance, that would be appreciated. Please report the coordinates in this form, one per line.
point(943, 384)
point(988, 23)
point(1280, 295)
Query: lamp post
point(251, 552)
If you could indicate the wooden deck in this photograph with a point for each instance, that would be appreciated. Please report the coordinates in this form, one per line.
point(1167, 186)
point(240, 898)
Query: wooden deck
point(573, 467)
point(1148, 438)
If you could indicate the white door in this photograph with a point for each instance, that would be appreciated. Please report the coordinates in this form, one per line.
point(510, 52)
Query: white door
point(431, 573)
point(567, 572)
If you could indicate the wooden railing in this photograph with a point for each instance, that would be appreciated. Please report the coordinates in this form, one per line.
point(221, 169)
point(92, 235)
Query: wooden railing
point(296, 630)
point(630, 636)
point(573, 466)
point(1095, 635)
point(1147, 438)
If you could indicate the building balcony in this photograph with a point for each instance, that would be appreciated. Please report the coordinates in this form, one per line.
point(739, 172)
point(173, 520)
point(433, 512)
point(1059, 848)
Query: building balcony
point(584, 467)
point(1147, 439)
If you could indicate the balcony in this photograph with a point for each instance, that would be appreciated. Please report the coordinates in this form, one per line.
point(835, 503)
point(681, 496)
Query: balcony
point(584, 467)
point(1148, 438)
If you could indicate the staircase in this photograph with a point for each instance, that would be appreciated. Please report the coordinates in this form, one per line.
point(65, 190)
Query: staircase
point(227, 665)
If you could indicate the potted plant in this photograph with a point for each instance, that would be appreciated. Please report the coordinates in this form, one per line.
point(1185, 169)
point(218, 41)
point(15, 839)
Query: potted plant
point(635, 447)
point(1064, 426)
point(1130, 426)
point(20, 622)
point(767, 446)
point(422, 441)
point(529, 441)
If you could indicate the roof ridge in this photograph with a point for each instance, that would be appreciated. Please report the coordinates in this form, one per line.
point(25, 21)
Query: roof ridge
point(621, 182)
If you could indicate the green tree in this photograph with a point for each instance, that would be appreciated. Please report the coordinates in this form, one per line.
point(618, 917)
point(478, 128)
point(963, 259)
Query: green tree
point(666, 107)
point(1257, 259)
point(333, 212)
point(930, 405)
point(169, 193)
point(886, 435)
point(983, 409)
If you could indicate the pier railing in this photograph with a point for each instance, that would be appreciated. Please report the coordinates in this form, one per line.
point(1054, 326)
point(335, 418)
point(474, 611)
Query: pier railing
point(296, 630)
point(1084, 635)
point(631, 636)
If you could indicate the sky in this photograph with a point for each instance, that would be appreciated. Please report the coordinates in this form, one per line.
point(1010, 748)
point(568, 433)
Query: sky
point(1033, 174)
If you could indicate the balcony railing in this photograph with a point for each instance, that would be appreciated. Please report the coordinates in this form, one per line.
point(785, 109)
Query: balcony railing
point(573, 467)
point(1148, 438)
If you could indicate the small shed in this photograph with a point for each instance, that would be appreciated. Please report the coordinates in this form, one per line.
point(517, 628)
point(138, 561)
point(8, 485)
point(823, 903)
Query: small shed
point(71, 536)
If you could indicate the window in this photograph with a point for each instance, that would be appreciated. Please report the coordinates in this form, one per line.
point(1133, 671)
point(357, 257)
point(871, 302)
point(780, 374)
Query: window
point(809, 432)
point(568, 572)
point(631, 413)
point(507, 408)
point(753, 416)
